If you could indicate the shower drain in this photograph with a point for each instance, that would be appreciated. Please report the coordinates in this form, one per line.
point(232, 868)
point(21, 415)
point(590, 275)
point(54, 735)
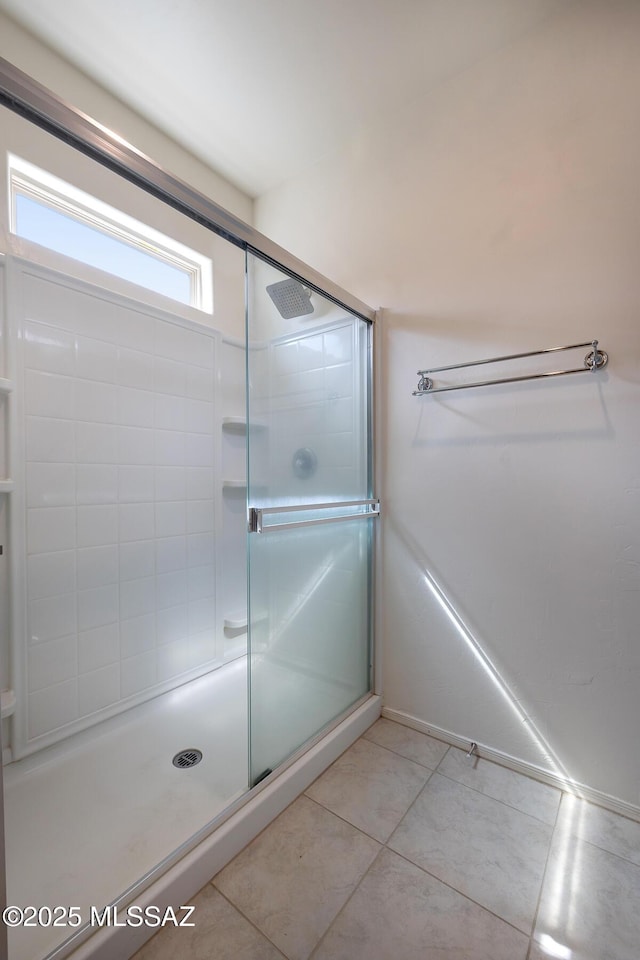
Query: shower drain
point(187, 758)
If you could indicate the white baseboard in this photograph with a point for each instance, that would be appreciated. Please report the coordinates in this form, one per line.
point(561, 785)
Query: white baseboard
point(519, 766)
point(181, 883)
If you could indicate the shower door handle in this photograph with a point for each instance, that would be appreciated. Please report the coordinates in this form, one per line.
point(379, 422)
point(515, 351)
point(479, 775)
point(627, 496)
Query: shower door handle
point(256, 523)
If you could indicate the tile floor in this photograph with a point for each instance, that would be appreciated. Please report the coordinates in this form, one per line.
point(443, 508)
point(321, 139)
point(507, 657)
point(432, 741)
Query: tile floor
point(406, 849)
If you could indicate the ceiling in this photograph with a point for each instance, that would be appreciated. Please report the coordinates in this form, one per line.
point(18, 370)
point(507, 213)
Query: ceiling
point(261, 89)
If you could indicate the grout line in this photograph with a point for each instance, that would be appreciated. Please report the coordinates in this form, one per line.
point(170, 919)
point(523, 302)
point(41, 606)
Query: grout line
point(459, 892)
point(245, 917)
point(442, 759)
point(501, 766)
point(344, 820)
point(420, 791)
point(592, 843)
point(488, 795)
point(402, 755)
point(504, 803)
point(347, 901)
point(410, 807)
point(610, 853)
point(496, 761)
point(543, 881)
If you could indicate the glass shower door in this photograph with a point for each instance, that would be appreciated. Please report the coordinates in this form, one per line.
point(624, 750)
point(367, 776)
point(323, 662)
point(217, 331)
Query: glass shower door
point(311, 513)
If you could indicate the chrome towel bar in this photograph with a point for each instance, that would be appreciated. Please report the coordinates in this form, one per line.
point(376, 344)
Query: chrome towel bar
point(595, 360)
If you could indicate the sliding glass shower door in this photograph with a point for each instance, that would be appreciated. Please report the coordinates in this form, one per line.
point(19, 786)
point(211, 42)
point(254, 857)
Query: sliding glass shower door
point(311, 514)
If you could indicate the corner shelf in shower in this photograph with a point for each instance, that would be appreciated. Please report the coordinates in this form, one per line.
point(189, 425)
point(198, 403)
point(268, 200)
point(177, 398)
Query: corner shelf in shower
point(239, 425)
point(7, 703)
point(6, 386)
point(242, 485)
point(236, 621)
point(6, 486)
point(240, 621)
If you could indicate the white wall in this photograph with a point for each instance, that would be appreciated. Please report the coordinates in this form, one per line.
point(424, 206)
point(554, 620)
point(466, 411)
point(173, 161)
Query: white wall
point(498, 213)
point(29, 142)
point(27, 53)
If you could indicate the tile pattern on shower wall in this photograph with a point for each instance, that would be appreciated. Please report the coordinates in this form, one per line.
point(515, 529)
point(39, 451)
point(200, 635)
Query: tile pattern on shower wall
point(5, 370)
point(315, 403)
point(232, 575)
point(312, 583)
point(119, 448)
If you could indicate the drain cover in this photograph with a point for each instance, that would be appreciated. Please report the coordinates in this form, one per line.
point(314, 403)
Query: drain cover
point(187, 758)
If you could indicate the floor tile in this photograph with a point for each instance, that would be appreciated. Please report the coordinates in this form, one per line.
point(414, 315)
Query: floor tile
point(220, 933)
point(407, 742)
point(603, 828)
point(400, 911)
point(292, 880)
point(371, 787)
point(313, 884)
point(589, 904)
point(529, 796)
point(488, 851)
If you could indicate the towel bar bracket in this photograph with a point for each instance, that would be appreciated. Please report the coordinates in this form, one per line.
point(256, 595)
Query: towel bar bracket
point(596, 359)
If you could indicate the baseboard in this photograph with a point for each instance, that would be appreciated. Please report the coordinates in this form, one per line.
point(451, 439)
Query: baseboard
point(597, 797)
point(182, 882)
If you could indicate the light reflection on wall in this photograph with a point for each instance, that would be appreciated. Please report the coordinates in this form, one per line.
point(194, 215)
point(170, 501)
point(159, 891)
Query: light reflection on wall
point(492, 672)
point(565, 866)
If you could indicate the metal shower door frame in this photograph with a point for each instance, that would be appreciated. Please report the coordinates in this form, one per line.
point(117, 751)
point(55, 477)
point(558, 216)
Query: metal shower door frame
point(25, 96)
point(301, 516)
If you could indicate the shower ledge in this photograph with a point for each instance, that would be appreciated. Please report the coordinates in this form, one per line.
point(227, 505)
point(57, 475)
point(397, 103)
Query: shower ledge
point(239, 620)
point(235, 621)
point(7, 703)
point(241, 485)
point(239, 424)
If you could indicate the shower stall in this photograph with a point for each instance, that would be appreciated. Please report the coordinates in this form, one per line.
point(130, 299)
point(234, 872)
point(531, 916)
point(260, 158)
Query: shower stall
point(188, 521)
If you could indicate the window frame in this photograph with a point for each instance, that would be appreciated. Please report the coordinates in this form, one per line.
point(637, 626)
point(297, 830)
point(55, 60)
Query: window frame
point(44, 188)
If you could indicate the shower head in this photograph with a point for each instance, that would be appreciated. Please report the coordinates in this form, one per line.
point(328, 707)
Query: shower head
point(291, 298)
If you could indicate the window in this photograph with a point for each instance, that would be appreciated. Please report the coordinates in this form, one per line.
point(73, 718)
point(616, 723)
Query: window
point(57, 215)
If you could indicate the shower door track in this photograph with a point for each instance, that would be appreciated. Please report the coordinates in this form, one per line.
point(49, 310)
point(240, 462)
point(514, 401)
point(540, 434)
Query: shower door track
point(25, 96)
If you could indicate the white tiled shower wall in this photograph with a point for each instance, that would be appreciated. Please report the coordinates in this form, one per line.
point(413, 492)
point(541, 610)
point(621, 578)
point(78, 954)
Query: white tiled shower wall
point(4, 497)
point(308, 585)
point(316, 402)
point(232, 573)
point(119, 437)
point(309, 582)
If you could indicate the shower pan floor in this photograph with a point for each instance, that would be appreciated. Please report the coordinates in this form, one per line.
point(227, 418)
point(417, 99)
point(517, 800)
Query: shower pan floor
point(86, 819)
